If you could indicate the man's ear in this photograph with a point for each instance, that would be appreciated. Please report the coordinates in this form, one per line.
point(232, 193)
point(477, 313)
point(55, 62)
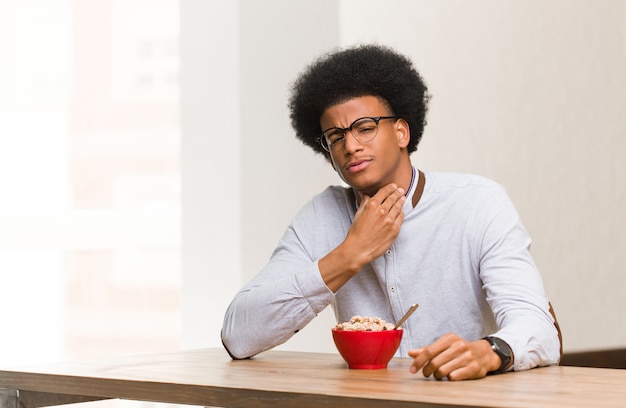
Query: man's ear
point(404, 133)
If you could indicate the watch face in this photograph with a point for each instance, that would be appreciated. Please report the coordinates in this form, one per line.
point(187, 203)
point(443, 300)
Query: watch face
point(502, 346)
point(502, 349)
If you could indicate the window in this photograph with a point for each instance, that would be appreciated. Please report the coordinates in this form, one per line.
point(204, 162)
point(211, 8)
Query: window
point(89, 179)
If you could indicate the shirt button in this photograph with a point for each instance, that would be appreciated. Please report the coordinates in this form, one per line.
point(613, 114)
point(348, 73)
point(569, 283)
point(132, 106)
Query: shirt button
point(393, 288)
point(389, 252)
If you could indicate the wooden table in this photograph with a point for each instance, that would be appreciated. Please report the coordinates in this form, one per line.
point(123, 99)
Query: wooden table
point(209, 377)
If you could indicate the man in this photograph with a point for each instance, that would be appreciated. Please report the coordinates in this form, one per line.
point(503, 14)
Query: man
point(396, 236)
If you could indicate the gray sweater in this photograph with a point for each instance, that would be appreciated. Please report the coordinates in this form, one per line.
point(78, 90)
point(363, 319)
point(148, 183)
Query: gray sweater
point(462, 254)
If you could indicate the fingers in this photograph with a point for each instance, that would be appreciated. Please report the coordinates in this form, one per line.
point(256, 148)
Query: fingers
point(384, 207)
point(449, 357)
point(430, 358)
point(439, 366)
point(377, 222)
point(443, 364)
point(388, 201)
point(388, 196)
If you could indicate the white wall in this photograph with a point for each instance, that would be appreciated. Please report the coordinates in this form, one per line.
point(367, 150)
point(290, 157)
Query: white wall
point(244, 175)
point(529, 93)
point(211, 192)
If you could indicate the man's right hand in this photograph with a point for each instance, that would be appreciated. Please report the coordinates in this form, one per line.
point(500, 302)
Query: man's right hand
point(375, 228)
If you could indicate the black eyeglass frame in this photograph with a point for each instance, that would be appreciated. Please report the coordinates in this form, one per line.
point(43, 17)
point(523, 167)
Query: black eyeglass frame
point(324, 142)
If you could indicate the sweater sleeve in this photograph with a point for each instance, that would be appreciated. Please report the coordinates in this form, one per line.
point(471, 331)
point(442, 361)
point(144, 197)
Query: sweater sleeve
point(513, 285)
point(280, 300)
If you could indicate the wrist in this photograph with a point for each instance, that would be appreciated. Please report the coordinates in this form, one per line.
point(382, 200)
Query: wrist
point(503, 354)
point(492, 361)
point(338, 266)
point(351, 256)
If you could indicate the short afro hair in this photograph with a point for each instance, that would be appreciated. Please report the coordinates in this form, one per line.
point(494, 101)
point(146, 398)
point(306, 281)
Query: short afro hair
point(364, 70)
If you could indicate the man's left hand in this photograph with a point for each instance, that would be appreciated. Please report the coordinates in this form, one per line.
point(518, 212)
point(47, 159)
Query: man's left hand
point(455, 358)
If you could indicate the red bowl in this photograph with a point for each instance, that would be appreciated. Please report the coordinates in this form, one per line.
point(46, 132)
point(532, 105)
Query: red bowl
point(367, 349)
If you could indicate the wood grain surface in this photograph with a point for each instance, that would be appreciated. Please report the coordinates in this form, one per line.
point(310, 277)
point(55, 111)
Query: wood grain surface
point(208, 377)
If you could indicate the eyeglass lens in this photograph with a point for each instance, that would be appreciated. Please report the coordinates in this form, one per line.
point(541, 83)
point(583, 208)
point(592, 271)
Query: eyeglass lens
point(363, 130)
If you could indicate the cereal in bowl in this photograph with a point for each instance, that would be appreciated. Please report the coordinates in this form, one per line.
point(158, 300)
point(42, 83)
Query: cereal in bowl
point(365, 323)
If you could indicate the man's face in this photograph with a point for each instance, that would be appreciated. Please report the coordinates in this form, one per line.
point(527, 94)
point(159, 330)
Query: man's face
point(368, 166)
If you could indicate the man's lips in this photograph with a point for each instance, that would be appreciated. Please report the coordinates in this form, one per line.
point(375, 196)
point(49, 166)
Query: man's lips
point(357, 165)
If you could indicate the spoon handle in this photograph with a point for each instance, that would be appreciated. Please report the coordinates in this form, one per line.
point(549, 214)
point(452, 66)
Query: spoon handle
point(406, 315)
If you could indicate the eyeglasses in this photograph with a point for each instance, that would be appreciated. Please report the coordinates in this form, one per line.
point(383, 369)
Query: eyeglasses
point(362, 129)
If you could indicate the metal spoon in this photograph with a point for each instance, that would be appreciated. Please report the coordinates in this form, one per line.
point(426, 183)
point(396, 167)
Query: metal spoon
point(406, 315)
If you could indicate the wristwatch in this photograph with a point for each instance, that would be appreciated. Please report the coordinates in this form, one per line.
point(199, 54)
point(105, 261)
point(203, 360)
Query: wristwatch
point(503, 351)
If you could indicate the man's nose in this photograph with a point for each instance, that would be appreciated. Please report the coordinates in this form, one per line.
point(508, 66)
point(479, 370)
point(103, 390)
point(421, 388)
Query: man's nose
point(352, 144)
